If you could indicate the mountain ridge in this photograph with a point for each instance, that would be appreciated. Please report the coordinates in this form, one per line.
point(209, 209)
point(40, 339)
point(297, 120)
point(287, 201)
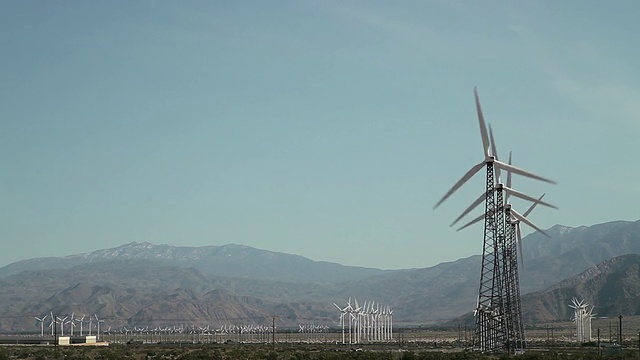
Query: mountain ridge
point(118, 287)
point(221, 260)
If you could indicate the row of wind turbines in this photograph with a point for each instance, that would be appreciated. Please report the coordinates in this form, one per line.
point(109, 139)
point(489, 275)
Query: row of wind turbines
point(153, 334)
point(370, 322)
point(71, 321)
point(499, 325)
point(582, 316)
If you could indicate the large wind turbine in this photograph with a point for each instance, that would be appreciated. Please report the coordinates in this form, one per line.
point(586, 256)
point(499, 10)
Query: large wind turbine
point(491, 322)
point(41, 320)
point(489, 159)
point(511, 301)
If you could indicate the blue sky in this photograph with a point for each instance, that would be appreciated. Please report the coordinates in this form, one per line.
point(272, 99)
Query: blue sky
point(327, 129)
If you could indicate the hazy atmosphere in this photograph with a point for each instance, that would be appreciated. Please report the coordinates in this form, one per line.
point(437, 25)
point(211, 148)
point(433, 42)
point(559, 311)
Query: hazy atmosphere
point(327, 129)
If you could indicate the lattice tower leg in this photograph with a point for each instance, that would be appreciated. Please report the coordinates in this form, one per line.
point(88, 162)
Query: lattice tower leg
point(485, 334)
point(516, 303)
point(501, 300)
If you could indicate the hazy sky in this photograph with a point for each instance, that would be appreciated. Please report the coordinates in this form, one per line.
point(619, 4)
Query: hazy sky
point(327, 129)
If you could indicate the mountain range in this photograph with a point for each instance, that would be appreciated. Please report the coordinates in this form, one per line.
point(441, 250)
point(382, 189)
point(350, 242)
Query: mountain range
point(143, 283)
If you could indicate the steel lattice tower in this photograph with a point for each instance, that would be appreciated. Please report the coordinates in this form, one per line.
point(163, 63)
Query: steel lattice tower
point(489, 333)
point(499, 327)
point(513, 294)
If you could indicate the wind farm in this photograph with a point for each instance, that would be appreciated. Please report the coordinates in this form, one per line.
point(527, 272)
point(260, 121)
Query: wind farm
point(319, 180)
point(499, 325)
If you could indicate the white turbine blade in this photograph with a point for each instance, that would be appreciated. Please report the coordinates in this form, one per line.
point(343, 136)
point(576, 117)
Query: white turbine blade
point(481, 217)
point(473, 205)
point(509, 172)
point(519, 235)
point(526, 221)
point(515, 170)
point(494, 151)
point(506, 199)
point(527, 197)
point(483, 126)
point(460, 182)
point(533, 206)
point(334, 304)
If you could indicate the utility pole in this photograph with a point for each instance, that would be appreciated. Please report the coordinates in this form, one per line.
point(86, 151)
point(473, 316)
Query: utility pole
point(620, 334)
point(599, 354)
point(55, 331)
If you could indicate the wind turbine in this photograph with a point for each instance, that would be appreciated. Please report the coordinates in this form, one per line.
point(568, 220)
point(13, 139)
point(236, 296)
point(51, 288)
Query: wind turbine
point(98, 321)
point(492, 325)
point(499, 186)
point(71, 322)
point(350, 312)
point(578, 316)
point(356, 322)
point(53, 323)
point(81, 320)
point(41, 320)
point(490, 161)
point(61, 324)
point(343, 312)
point(588, 316)
point(390, 324)
point(512, 240)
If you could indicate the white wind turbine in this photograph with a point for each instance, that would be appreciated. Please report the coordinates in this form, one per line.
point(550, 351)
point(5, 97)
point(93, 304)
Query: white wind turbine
point(499, 186)
point(489, 159)
point(582, 318)
point(71, 322)
point(41, 320)
point(62, 324)
point(578, 316)
point(372, 321)
point(53, 323)
point(351, 316)
point(589, 315)
point(515, 217)
point(98, 321)
point(390, 323)
point(356, 322)
point(81, 320)
point(343, 312)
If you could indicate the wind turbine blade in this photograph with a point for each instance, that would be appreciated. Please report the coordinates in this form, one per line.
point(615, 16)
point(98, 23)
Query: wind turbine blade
point(515, 170)
point(481, 217)
point(533, 206)
point(494, 151)
point(473, 205)
point(526, 221)
point(460, 182)
point(483, 126)
point(527, 197)
point(519, 234)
